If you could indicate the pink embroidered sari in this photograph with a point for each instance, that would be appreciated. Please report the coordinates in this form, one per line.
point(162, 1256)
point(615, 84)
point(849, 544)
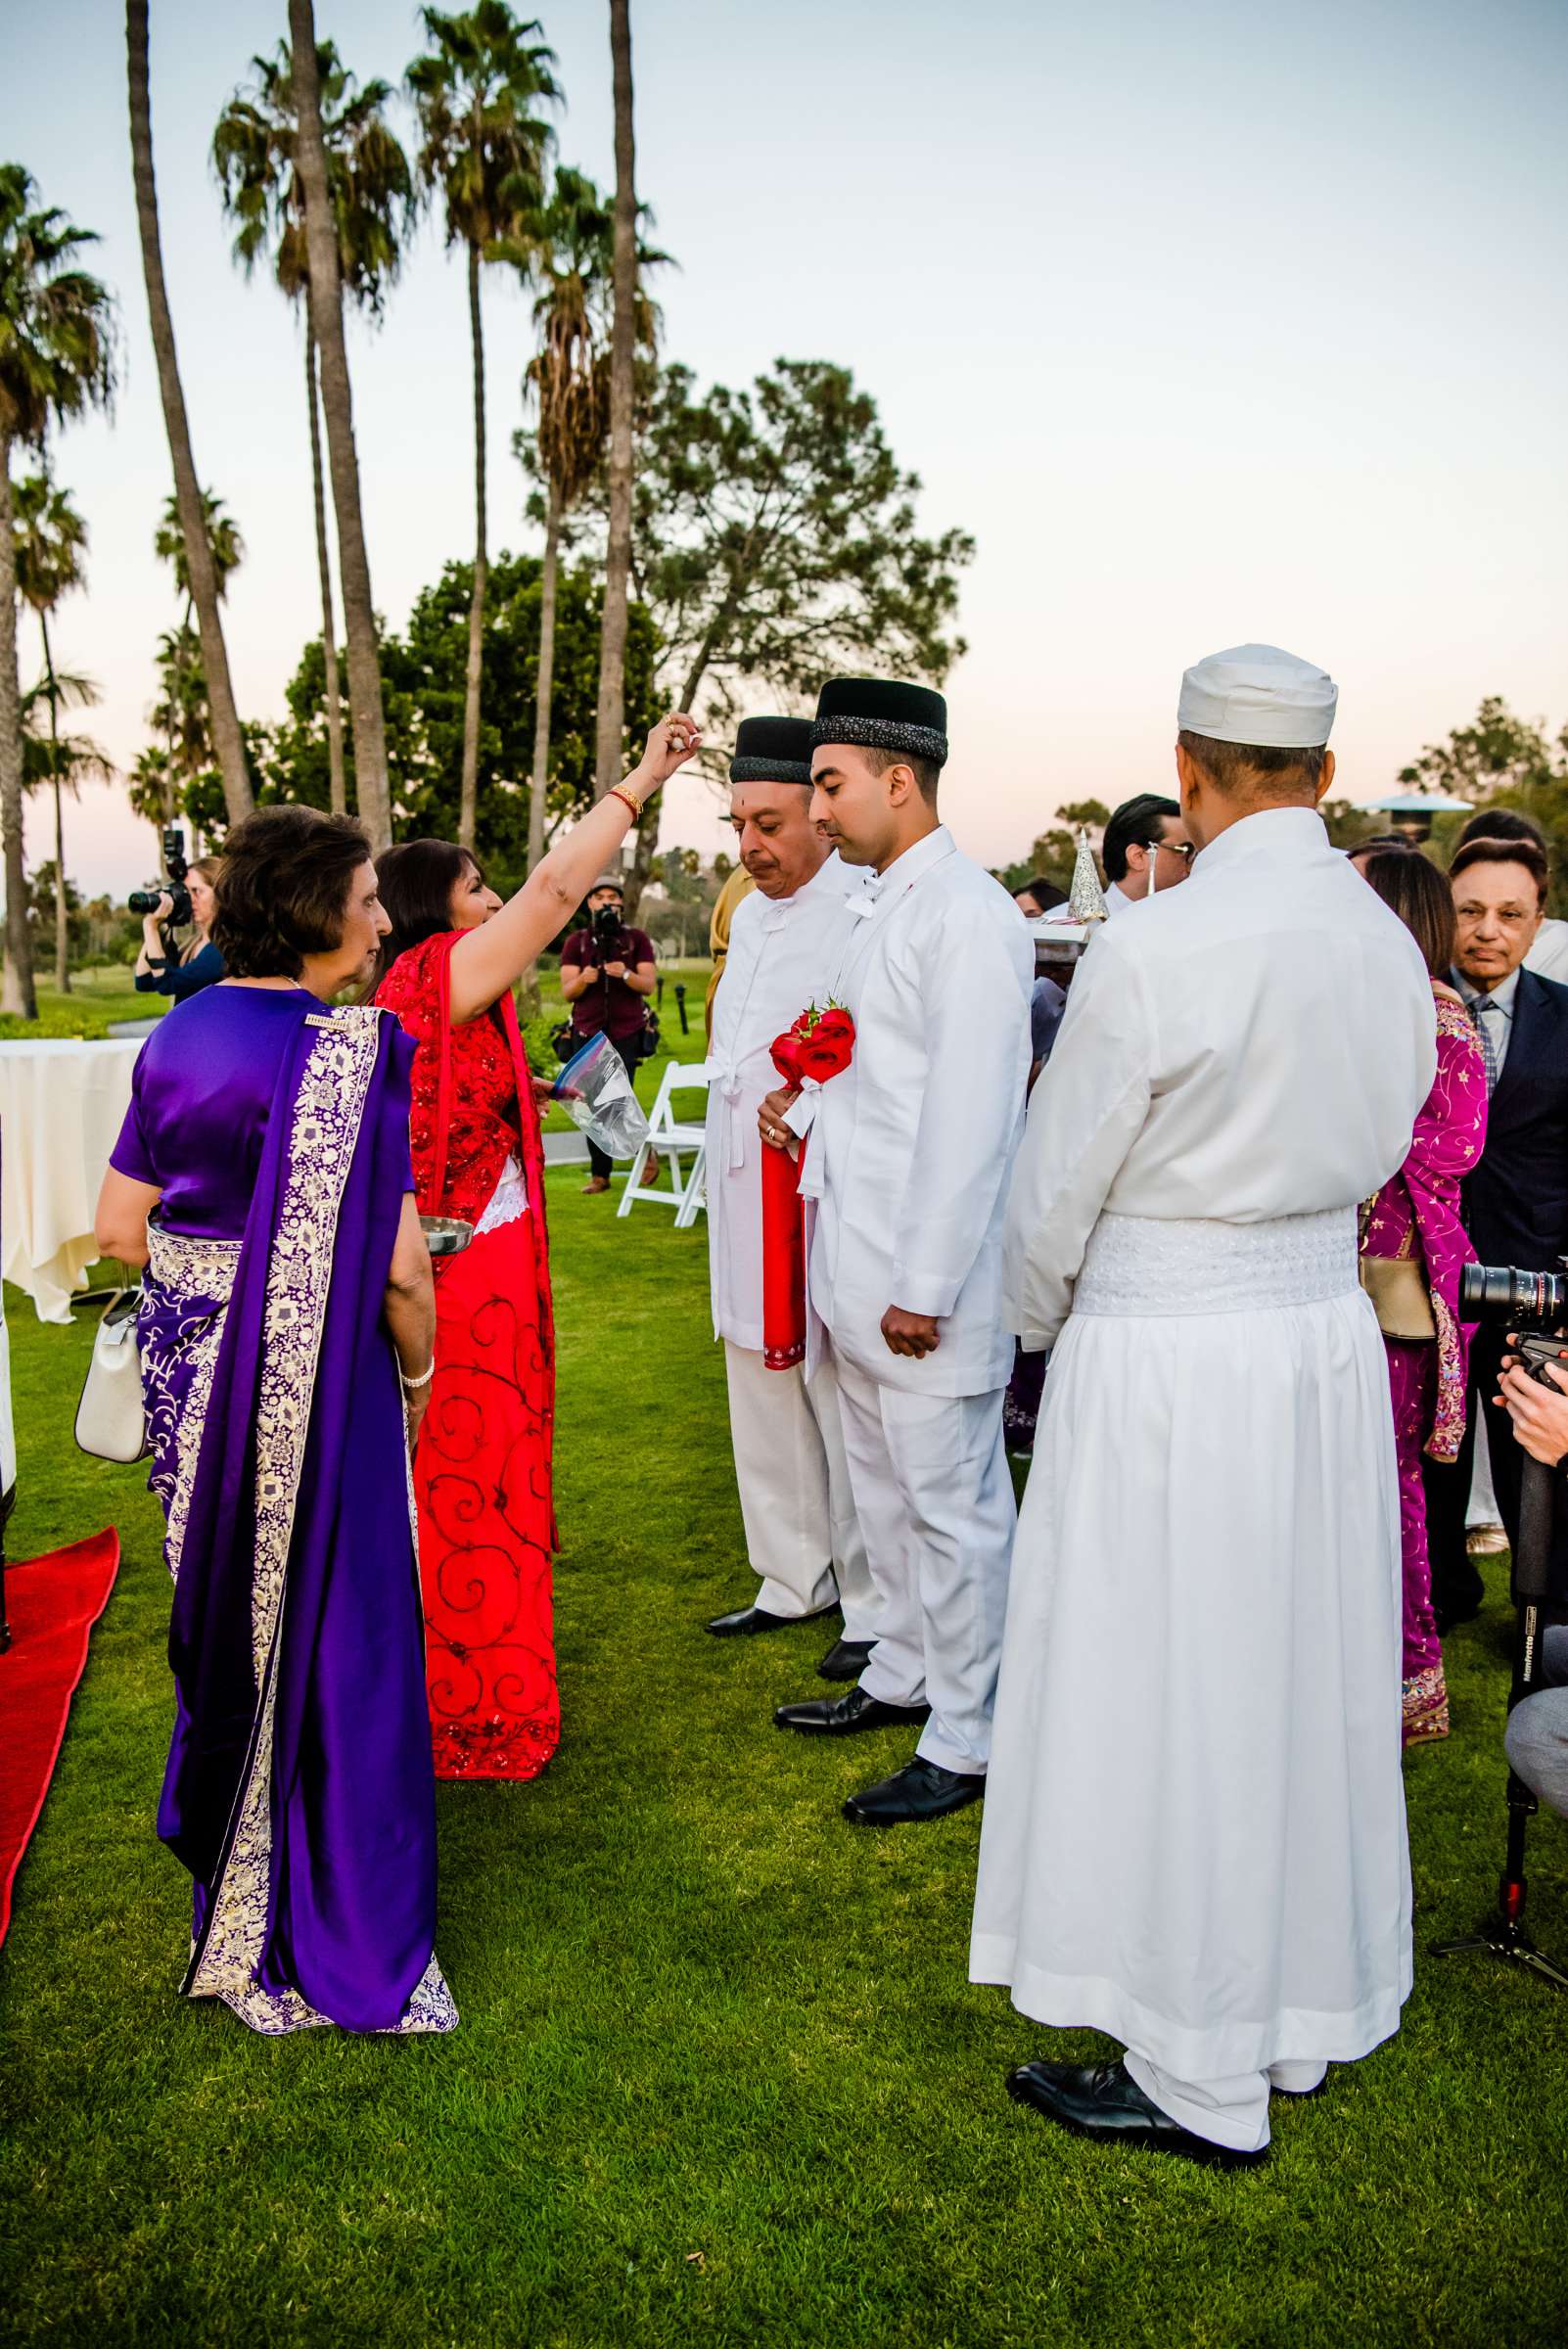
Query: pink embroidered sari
point(1416, 1214)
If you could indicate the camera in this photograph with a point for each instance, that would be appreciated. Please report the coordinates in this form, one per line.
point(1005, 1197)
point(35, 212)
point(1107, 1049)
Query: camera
point(1513, 1299)
point(145, 900)
point(607, 929)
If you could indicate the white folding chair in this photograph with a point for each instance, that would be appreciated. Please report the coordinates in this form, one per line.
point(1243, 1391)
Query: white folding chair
point(671, 1137)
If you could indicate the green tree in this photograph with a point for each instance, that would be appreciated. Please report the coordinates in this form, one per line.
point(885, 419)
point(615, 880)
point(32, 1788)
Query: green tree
point(371, 190)
point(424, 670)
point(176, 423)
point(183, 710)
point(569, 379)
point(51, 908)
point(484, 150)
point(57, 359)
point(51, 552)
point(1498, 760)
point(1051, 856)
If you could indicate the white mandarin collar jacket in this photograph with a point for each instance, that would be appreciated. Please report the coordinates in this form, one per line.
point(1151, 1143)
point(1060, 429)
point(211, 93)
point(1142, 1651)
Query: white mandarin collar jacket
point(1257, 1044)
point(784, 954)
point(909, 1158)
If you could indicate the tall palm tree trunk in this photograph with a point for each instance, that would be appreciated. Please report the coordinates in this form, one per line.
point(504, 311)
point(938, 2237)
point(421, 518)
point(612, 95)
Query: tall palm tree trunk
point(468, 796)
point(17, 993)
point(545, 682)
point(62, 928)
point(227, 737)
point(337, 401)
point(611, 727)
point(329, 633)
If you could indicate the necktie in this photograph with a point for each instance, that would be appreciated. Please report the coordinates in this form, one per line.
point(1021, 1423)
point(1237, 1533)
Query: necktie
point(1479, 1007)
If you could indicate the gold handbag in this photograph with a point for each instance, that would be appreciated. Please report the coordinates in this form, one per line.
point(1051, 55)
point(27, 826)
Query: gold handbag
point(1397, 1286)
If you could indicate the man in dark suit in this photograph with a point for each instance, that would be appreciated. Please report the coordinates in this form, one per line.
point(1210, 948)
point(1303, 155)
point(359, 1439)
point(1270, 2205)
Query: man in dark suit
point(1516, 1200)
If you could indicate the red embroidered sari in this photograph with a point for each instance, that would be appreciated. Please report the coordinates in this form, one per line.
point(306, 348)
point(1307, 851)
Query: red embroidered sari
point(482, 1472)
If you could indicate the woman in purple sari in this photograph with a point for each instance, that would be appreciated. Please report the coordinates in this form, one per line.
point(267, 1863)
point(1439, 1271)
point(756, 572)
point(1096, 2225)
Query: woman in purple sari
point(1413, 1247)
point(262, 1175)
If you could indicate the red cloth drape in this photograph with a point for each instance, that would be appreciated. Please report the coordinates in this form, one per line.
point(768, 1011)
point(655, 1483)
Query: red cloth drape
point(783, 1261)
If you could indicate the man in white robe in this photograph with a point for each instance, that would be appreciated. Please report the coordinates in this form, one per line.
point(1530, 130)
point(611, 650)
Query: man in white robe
point(786, 940)
point(906, 1167)
point(1195, 1835)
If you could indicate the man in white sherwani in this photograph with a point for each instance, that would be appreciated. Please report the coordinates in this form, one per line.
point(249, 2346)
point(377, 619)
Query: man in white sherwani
point(1195, 1838)
point(906, 1171)
point(786, 940)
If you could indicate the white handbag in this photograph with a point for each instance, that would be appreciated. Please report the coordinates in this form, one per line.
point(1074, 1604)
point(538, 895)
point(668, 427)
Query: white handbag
point(112, 1416)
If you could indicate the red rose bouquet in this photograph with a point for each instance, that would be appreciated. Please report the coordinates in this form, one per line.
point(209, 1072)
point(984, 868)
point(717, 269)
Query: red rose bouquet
point(819, 1045)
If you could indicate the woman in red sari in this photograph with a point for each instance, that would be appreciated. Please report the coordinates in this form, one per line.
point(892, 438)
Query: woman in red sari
point(482, 1466)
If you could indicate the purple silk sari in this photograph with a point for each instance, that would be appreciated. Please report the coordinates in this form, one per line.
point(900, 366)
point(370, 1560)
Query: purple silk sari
point(298, 1791)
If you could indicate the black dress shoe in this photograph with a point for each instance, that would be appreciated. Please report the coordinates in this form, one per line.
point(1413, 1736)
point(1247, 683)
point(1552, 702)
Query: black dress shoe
point(845, 1660)
point(846, 1716)
point(1104, 2103)
point(746, 1620)
point(920, 1790)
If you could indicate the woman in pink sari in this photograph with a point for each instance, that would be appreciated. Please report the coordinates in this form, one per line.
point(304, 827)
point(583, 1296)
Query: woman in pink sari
point(1413, 1247)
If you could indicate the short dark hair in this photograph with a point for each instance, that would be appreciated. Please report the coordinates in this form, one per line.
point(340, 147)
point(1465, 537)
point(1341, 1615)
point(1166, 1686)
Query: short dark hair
point(1501, 823)
point(1412, 886)
point(1045, 894)
point(284, 890)
point(1129, 828)
point(926, 772)
point(416, 880)
point(1505, 852)
point(1284, 774)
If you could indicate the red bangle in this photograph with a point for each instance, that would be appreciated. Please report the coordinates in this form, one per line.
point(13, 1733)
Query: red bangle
point(626, 801)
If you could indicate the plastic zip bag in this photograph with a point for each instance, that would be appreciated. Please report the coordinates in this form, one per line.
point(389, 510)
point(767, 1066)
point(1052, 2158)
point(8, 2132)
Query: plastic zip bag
point(595, 1092)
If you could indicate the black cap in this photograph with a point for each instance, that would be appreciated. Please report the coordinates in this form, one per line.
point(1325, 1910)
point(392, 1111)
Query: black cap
point(877, 714)
point(772, 750)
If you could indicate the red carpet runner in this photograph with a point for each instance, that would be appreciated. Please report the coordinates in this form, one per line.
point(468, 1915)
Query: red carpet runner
point(52, 1603)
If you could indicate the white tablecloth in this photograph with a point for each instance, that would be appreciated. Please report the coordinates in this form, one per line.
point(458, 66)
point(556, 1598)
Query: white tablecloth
point(61, 1103)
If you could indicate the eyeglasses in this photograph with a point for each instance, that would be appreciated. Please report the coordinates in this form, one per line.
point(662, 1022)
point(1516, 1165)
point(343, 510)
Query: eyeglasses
point(1177, 847)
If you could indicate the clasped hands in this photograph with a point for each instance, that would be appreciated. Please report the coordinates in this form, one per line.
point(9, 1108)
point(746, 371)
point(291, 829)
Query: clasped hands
point(913, 1335)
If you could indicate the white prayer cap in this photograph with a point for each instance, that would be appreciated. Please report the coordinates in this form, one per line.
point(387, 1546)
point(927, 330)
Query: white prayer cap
point(1256, 693)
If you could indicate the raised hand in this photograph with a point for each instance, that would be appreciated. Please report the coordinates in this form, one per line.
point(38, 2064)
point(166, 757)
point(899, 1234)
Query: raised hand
point(674, 740)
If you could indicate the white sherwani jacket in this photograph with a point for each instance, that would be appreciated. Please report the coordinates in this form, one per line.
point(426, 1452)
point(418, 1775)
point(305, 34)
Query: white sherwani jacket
point(913, 1143)
point(784, 954)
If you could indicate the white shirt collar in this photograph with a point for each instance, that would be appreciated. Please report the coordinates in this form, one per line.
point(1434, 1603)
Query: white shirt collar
point(1271, 835)
point(905, 870)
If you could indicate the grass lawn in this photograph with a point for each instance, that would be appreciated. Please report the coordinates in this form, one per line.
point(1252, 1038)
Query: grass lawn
point(720, 2077)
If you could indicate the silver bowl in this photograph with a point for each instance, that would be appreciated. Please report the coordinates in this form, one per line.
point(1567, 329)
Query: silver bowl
point(446, 1235)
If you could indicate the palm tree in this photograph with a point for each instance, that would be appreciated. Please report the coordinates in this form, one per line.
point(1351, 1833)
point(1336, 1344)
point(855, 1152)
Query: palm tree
point(56, 360)
point(51, 540)
point(372, 192)
point(623, 392)
point(486, 152)
point(569, 377)
point(324, 280)
point(184, 713)
point(65, 761)
point(214, 655)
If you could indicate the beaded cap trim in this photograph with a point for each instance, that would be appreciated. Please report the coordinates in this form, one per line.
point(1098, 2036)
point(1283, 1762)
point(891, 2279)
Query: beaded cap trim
point(882, 734)
point(770, 770)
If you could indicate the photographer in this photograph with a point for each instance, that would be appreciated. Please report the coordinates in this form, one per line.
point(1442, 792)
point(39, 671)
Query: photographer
point(198, 964)
point(1538, 1728)
point(607, 975)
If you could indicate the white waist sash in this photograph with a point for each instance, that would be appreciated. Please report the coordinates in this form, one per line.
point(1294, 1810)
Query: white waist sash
point(1135, 1264)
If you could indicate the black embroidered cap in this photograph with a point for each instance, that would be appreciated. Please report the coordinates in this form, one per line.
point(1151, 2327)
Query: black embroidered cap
point(772, 750)
point(875, 714)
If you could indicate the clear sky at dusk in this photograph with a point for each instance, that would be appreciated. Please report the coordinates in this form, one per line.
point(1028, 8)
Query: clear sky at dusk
point(1211, 323)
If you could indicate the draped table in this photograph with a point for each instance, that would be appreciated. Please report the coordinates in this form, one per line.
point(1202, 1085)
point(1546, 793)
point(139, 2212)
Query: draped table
point(61, 1101)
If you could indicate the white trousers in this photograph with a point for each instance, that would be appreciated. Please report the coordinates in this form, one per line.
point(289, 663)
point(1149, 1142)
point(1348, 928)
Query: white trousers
point(1233, 2113)
point(935, 1501)
point(796, 1505)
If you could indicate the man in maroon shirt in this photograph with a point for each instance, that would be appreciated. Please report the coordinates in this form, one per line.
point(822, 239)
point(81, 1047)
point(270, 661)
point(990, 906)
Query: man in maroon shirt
point(606, 976)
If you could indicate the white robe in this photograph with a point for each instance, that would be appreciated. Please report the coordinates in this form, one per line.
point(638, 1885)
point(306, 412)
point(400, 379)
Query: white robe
point(1194, 1836)
point(908, 1160)
point(784, 954)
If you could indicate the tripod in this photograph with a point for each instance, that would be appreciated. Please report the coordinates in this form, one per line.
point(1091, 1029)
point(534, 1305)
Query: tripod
point(1503, 1935)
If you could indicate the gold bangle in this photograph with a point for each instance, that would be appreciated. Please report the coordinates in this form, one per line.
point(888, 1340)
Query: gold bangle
point(627, 798)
